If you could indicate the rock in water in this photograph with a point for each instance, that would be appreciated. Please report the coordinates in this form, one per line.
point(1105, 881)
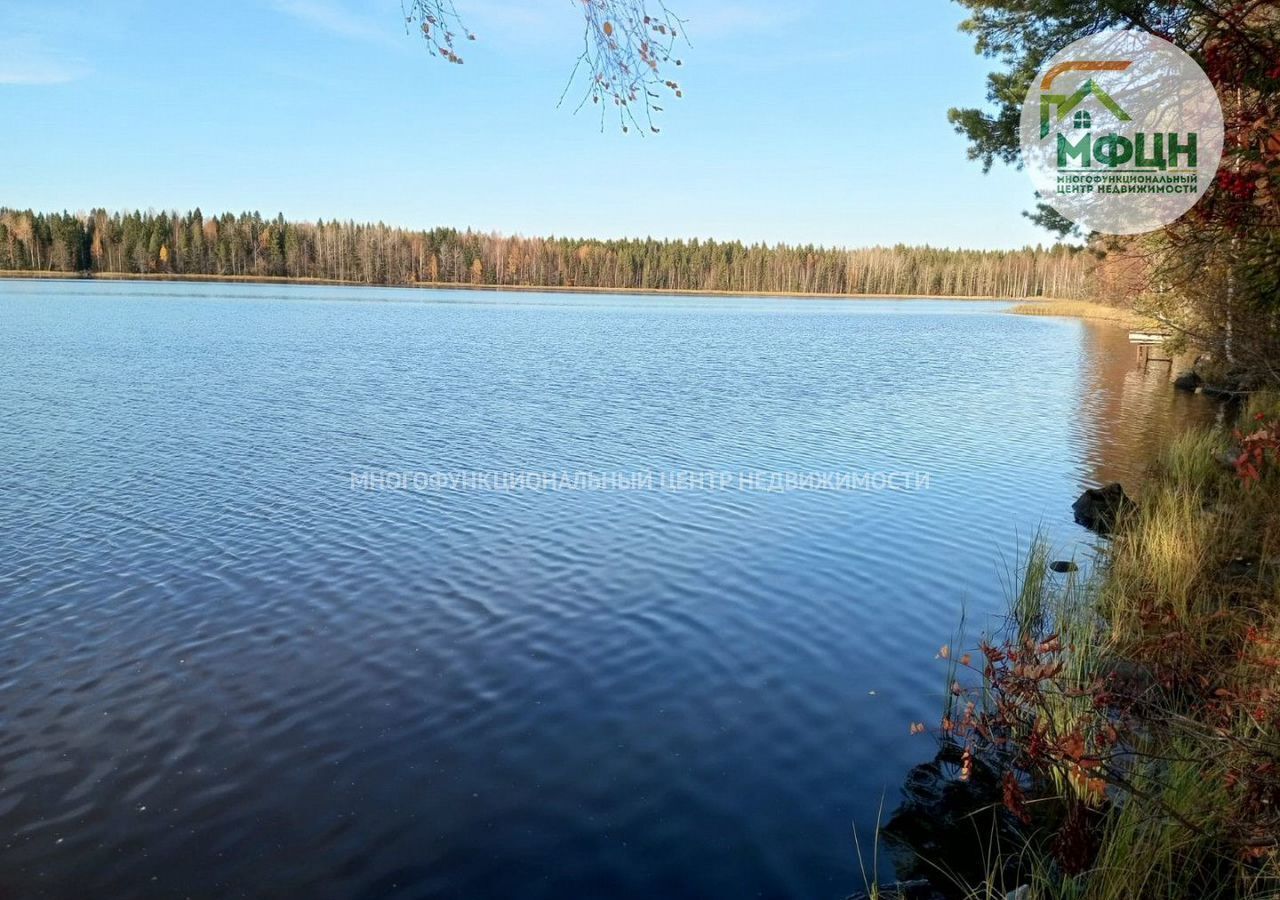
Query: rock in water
point(1062, 567)
point(1098, 508)
point(949, 825)
point(1188, 381)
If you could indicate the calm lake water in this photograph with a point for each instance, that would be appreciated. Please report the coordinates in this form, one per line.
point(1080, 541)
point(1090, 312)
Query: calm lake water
point(225, 671)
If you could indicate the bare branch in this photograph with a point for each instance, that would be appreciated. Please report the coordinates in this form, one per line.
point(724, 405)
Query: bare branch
point(627, 52)
point(440, 25)
point(628, 46)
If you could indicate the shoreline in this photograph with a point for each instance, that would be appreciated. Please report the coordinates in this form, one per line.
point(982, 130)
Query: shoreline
point(1080, 309)
point(1131, 706)
point(21, 275)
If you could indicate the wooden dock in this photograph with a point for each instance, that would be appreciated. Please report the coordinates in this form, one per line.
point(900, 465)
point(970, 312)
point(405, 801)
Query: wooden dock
point(1149, 337)
point(1148, 341)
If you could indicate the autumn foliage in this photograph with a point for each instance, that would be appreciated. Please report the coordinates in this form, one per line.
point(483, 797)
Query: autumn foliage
point(1259, 448)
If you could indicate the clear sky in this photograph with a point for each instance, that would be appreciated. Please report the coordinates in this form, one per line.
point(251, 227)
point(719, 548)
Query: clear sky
point(802, 121)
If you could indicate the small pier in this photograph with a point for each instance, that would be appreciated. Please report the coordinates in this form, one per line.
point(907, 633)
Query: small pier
point(1149, 345)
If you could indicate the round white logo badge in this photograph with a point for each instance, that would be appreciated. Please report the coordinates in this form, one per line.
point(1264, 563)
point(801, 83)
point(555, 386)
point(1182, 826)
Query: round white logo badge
point(1121, 132)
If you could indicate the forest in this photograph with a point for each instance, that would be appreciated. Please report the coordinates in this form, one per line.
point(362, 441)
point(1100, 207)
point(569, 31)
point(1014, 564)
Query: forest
point(249, 245)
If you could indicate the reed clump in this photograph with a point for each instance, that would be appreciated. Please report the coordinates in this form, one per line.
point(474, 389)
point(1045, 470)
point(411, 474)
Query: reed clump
point(1080, 309)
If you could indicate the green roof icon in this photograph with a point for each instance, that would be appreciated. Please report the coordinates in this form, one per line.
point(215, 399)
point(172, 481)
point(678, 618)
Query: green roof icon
point(1065, 104)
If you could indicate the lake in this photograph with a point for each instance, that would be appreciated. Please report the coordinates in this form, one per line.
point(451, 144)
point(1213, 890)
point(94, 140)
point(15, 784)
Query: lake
point(628, 597)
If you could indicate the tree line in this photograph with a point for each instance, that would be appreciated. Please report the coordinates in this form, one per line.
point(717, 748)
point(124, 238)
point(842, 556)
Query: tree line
point(249, 245)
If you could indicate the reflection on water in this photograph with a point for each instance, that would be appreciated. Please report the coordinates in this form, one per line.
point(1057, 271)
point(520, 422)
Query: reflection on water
point(223, 672)
point(1128, 409)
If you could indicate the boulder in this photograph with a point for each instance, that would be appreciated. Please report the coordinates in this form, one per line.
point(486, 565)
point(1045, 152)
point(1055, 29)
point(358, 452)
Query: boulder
point(949, 824)
point(1188, 381)
point(1098, 508)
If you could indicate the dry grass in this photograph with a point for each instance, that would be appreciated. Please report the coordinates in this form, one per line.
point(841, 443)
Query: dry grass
point(1193, 814)
point(1080, 309)
point(1208, 729)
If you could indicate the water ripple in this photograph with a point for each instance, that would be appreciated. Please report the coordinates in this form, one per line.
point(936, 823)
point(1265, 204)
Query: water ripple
point(224, 672)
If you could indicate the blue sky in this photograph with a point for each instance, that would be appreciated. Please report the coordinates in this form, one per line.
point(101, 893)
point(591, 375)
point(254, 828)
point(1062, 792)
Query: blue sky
point(801, 121)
